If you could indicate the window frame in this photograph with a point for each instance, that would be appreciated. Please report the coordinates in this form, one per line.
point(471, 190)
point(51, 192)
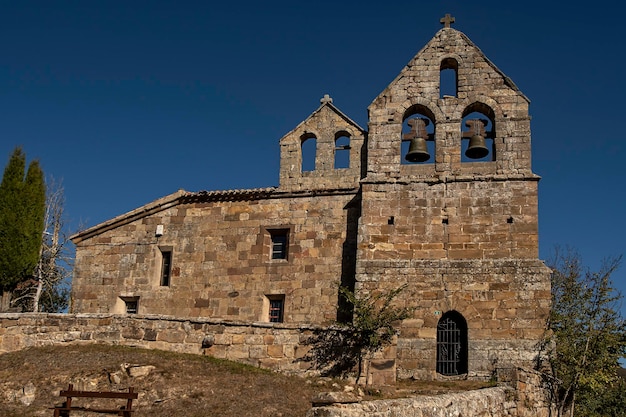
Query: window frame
point(165, 272)
point(279, 236)
point(276, 304)
point(128, 305)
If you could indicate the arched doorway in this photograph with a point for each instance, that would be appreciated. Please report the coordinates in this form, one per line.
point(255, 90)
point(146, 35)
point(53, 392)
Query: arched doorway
point(452, 344)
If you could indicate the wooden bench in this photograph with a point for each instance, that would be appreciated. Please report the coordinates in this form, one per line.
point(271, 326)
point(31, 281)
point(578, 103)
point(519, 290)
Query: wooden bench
point(67, 407)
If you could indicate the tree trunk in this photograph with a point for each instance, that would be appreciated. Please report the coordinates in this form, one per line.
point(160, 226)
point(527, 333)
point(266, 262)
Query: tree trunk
point(571, 406)
point(53, 220)
point(37, 295)
point(360, 370)
point(5, 301)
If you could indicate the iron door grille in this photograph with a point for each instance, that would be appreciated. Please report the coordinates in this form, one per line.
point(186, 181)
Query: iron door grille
point(449, 347)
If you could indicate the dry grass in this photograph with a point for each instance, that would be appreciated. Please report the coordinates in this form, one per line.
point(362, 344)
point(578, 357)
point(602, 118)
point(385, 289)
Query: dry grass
point(179, 384)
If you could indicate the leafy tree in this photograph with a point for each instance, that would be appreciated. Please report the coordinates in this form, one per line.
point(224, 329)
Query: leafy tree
point(610, 402)
point(587, 334)
point(339, 349)
point(22, 205)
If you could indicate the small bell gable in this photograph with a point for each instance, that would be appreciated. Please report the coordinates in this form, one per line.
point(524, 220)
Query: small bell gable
point(473, 119)
point(322, 152)
point(449, 49)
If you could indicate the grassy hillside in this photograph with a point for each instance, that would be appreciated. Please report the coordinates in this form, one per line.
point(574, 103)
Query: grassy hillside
point(175, 384)
point(178, 385)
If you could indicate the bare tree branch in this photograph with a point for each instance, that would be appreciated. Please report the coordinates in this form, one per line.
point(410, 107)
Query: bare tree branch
point(50, 289)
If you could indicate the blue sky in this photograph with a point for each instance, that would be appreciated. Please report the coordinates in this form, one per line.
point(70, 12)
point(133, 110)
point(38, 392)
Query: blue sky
point(128, 101)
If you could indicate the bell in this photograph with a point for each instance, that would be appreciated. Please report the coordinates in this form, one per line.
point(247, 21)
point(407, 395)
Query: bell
point(477, 148)
point(418, 151)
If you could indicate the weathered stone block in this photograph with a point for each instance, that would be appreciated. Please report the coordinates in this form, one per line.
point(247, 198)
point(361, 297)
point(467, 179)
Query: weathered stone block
point(172, 336)
point(275, 351)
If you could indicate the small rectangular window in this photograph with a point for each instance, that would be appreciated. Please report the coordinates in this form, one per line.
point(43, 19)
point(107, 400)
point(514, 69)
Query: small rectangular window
point(132, 305)
point(166, 267)
point(279, 243)
point(277, 308)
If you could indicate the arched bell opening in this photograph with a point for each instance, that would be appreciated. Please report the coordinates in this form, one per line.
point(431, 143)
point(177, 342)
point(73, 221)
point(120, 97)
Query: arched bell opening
point(342, 150)
point(308, 151)
point(418, 136)
point(452, 344)
point(448, 78)
point(477, 134)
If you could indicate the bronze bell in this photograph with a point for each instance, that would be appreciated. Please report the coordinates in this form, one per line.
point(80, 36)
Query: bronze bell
point(477, 148)
point(418, 151)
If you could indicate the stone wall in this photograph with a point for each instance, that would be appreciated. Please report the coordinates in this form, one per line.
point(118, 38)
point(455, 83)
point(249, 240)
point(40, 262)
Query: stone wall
point(521, 394)
point(503, 301)
point(491, 402)
point(272, 346)
point(221, 263)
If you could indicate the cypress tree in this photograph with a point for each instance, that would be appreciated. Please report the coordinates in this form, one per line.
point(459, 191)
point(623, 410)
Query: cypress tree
point(22, 211)
point(34, 201)
point(11, 242)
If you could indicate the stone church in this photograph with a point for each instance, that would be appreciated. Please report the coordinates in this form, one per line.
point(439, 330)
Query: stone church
point(437, 194)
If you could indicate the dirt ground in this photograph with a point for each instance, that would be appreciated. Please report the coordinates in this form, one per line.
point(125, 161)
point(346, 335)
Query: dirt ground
point(175, 384)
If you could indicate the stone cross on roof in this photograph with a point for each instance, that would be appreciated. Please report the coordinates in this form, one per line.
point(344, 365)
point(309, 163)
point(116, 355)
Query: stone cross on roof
point(446, 20)
point(326, 99)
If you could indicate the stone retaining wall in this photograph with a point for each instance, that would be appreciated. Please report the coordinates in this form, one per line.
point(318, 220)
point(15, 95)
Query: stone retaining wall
point(491, 402)
point(269, 345)
point(520, 395)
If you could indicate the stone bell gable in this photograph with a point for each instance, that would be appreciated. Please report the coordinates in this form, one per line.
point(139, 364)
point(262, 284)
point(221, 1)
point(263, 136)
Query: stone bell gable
point(480, 88)
point(336, 144)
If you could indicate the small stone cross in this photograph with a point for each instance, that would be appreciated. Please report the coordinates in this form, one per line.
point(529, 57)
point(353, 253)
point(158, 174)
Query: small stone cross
point(446, 20)
point(326, 99)
point(418, 129)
